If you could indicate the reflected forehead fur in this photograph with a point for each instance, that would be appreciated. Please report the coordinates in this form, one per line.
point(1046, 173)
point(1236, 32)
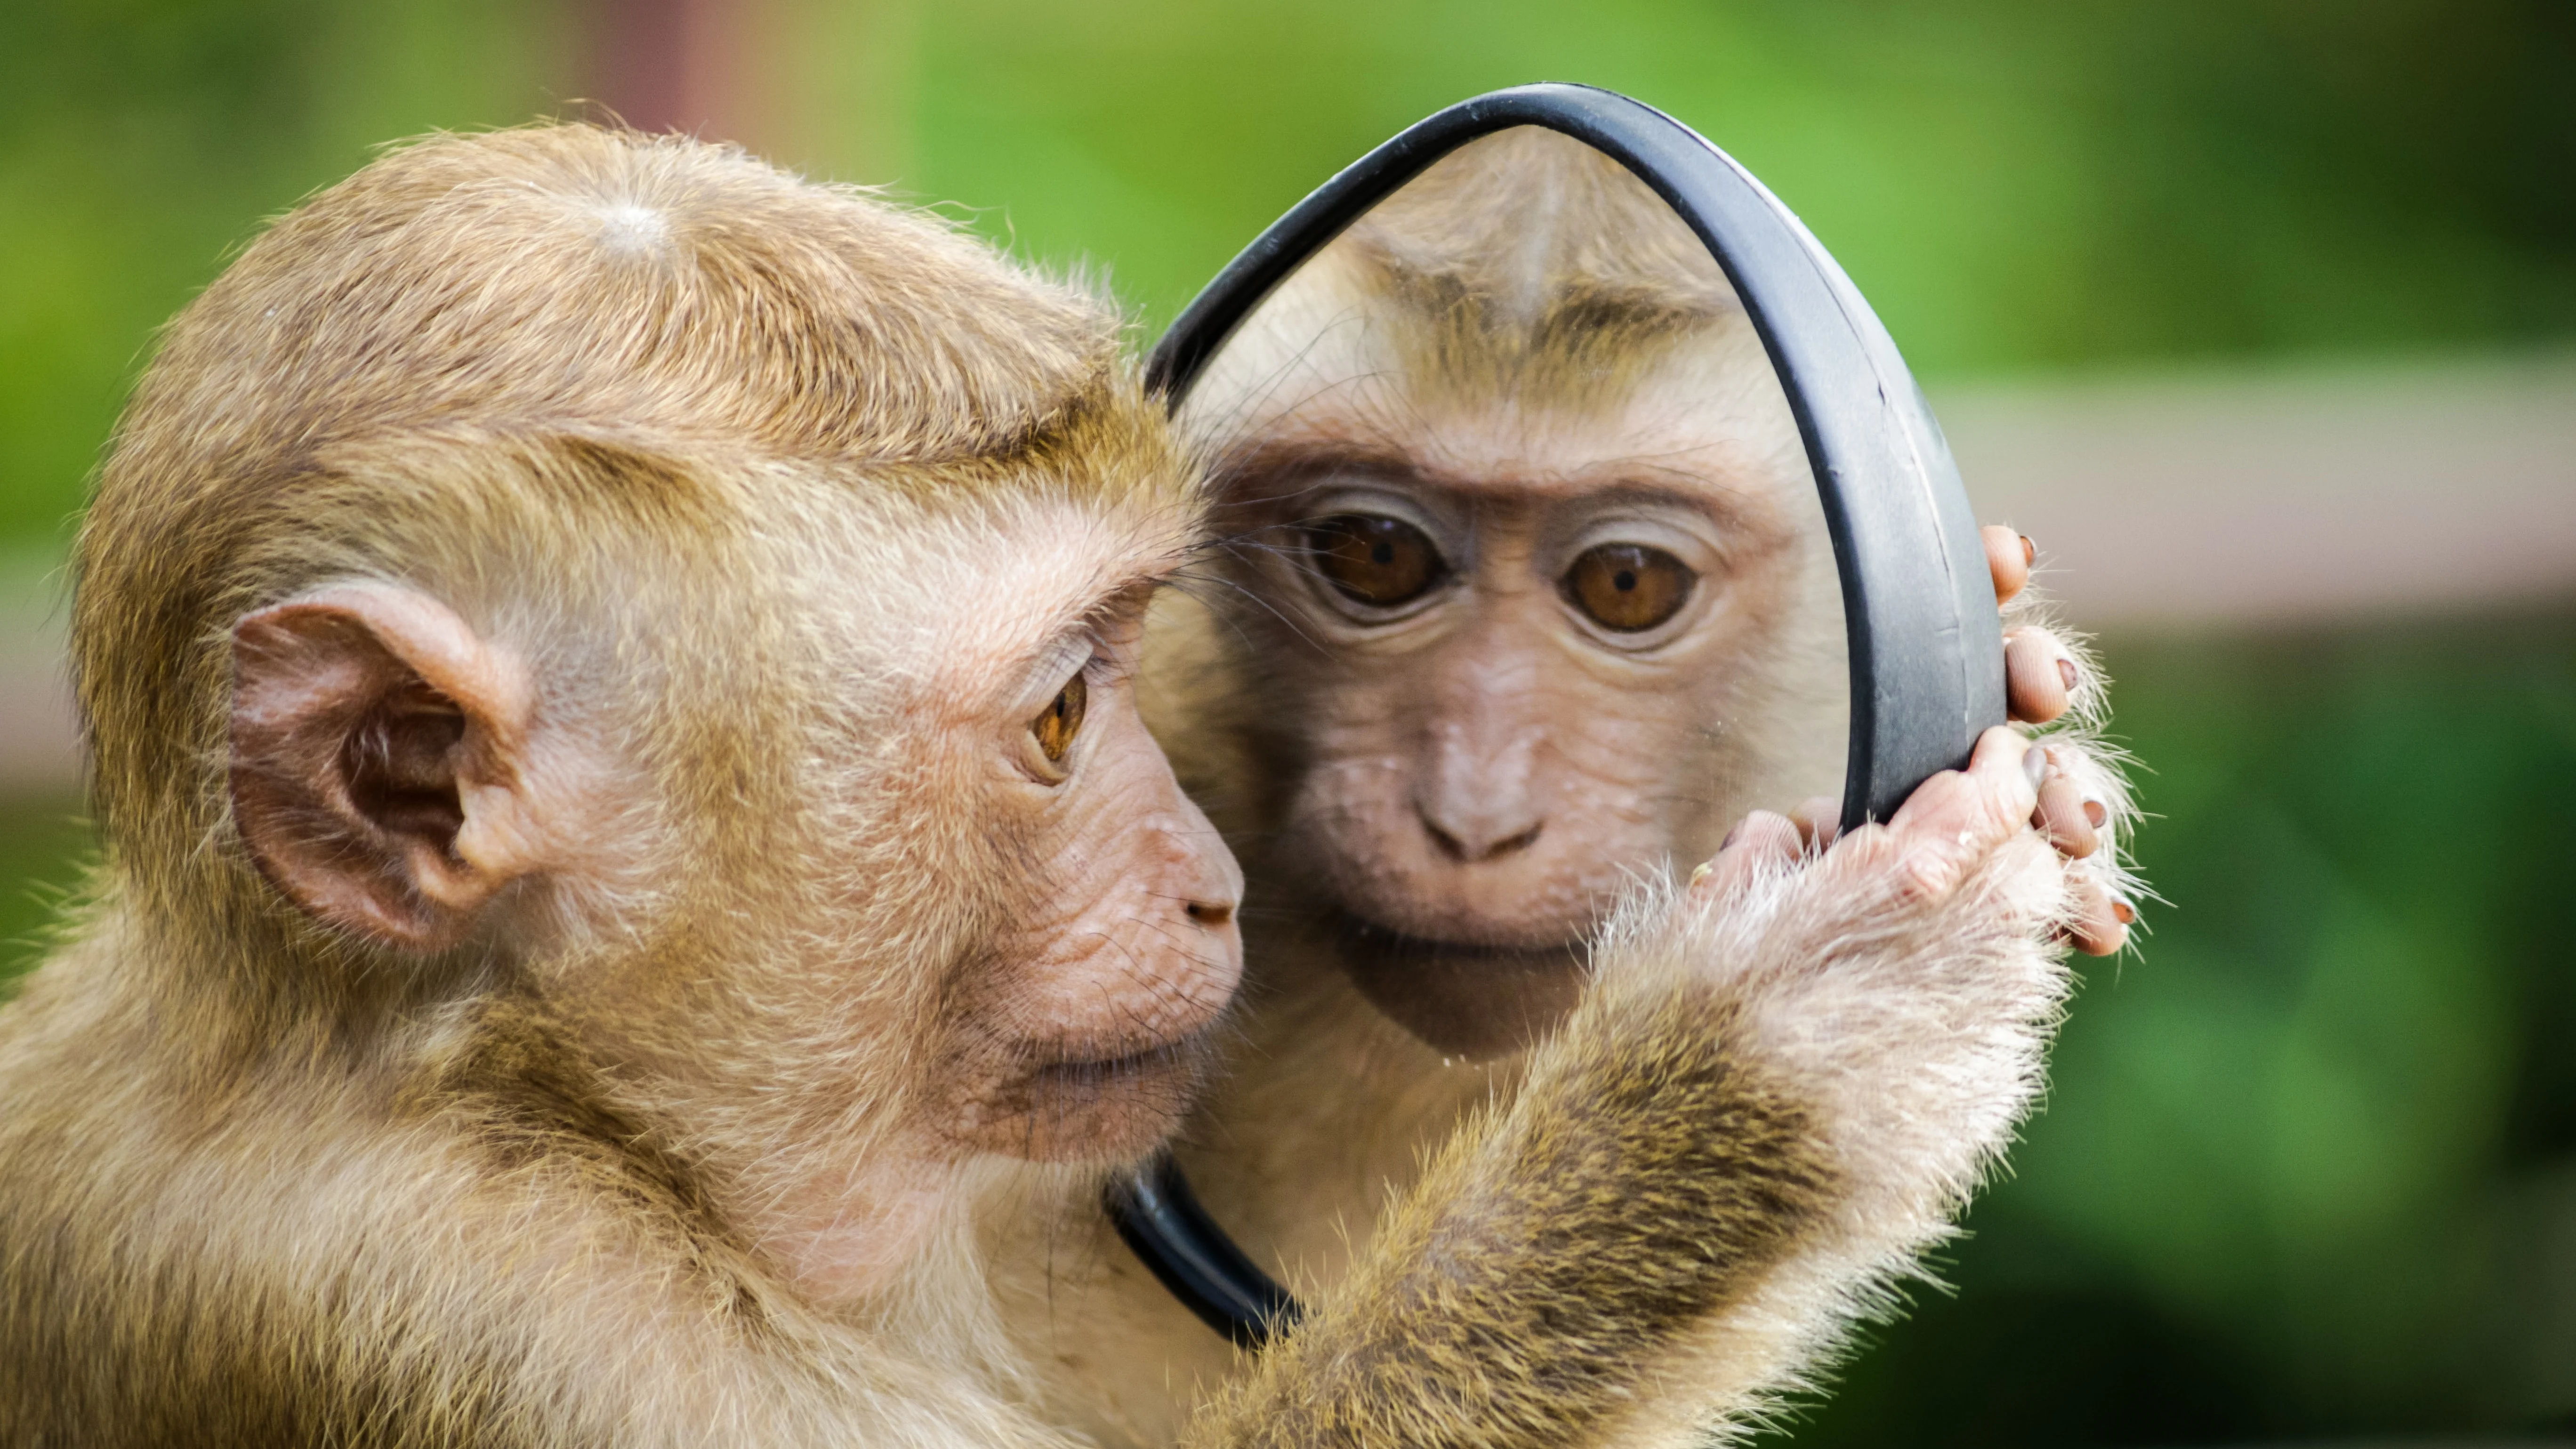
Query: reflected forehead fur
point(1528, 261)
point(1525, 278)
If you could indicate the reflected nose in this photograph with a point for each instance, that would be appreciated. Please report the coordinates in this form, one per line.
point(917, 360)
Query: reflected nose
point(1476, 802)
point(1470, 848)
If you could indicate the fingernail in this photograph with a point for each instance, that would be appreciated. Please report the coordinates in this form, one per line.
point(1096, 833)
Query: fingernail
point(1702, 872)
point(2034, 763)
point(2126, 914)
point(2029, 550)
point(2094, 812)
point(2066, 671)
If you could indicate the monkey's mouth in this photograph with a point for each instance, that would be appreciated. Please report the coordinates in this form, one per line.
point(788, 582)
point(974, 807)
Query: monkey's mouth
point(1109, 1099)
point(1116, 1106)
point(1461, 998)
point(1150, 1061)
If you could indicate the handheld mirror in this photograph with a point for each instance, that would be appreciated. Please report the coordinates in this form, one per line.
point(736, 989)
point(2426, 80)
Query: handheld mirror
point(1543, 427)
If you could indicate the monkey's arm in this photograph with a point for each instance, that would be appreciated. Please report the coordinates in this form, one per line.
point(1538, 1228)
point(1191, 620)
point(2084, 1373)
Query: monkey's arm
point(1778, 1090)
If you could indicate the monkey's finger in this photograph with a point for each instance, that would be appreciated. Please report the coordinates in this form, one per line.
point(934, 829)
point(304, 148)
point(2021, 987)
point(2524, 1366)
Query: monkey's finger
point(1981, 805)
point(1958, 817)
point(2101, 924)
point(1758, 840)
point(2008, 557)
point(2066, 817)
point(1819, 819)
point(2038, 676)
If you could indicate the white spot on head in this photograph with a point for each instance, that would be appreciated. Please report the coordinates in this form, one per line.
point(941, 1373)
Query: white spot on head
point(630, 226)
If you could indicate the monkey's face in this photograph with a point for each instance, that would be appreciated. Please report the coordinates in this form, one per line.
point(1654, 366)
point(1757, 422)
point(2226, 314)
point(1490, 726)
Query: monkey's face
point(1506, 655)
point(955, 873)
point(1080, 1030)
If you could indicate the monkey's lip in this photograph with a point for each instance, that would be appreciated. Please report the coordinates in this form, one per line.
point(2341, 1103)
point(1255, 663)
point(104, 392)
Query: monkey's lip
point(1153, 1057)
point(1104, 1099)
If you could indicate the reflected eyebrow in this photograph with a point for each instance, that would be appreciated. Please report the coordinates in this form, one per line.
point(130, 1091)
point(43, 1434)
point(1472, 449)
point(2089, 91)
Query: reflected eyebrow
point(1274, 463)
point(1625, 489)
point(1272, 472)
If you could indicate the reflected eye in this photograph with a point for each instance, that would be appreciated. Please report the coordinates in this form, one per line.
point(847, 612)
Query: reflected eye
point(1378, 561)
point(1061, 720)
point(1627, 586)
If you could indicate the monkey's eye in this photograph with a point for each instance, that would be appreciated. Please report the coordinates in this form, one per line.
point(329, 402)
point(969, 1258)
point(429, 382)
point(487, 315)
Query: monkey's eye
point(1378, 561)
point(1628, 587)
point(1061, 720)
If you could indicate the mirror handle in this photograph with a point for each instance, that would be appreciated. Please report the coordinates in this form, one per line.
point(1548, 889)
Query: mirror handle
point(1162, 1223)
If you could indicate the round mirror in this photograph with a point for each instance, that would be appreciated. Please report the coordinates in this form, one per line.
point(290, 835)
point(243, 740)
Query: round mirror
point(1571, 504)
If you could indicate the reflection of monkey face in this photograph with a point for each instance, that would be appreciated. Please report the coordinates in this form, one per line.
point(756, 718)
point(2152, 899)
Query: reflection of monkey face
point(1508, 651)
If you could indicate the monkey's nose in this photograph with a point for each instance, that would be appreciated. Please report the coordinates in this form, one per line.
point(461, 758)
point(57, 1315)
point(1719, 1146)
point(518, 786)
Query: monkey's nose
point(1212, 914)
point(1469, 846)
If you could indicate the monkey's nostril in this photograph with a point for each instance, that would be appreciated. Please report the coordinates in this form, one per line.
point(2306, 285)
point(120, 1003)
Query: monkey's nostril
point(1210, 914)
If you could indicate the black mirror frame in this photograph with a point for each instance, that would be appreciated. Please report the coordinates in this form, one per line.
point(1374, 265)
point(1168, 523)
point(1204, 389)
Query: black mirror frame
point(1925, 644)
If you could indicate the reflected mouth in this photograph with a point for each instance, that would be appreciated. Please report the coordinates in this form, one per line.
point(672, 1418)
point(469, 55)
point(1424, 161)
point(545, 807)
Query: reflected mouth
point(1473, 1000)
point(1384, 948)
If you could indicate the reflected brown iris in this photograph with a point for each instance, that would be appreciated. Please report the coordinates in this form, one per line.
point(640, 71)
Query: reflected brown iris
point(1627, 586)
point(1381, 562)
point(1062, 720)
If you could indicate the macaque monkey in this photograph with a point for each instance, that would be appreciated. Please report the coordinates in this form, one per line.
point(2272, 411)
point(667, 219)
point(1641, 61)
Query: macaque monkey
point(632, 848)
point(1529, 601)
point(607, 677)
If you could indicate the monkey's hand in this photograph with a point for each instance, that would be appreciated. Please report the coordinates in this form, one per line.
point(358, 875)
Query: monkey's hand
point(1782, 1084)
point(2051, 679)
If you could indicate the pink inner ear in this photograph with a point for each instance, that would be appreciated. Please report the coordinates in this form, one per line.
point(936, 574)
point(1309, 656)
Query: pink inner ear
point(352, 711)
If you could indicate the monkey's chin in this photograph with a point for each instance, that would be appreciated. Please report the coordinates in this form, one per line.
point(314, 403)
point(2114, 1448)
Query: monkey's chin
point(1463, 1000)
point(1112, 1110)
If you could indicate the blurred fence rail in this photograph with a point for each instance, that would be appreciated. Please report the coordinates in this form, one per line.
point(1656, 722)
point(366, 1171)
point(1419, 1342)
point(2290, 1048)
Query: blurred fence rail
point(2285, 496)
point(37, 750)
point(2194, 501)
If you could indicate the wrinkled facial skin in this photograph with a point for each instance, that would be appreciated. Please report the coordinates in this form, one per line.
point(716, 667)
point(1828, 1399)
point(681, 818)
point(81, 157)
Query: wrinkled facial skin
point(1481, 746)
point(1083, 1029)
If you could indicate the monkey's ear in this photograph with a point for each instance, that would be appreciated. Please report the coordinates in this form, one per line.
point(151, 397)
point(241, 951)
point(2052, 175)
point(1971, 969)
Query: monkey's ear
point(377, 747)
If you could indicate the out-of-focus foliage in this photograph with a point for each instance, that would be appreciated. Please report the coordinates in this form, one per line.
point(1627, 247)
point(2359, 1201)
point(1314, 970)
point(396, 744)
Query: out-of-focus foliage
point(43, 845)
point(141, 140)
point(2017, 184)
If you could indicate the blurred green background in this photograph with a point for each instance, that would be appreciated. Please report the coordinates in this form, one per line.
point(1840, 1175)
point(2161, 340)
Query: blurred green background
point(2309, 1167)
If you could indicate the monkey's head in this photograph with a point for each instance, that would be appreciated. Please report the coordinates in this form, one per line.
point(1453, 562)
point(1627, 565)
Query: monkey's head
point(608, 576)
point(1534, 570)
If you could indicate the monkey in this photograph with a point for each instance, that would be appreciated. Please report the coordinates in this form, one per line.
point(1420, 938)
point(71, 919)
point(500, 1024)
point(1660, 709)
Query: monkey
point(1529, 594)
point(606, 673)
point(630, 844)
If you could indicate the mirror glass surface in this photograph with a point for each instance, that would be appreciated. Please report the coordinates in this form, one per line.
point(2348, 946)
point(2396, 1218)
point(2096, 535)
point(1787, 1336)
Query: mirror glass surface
point(1525, 586)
